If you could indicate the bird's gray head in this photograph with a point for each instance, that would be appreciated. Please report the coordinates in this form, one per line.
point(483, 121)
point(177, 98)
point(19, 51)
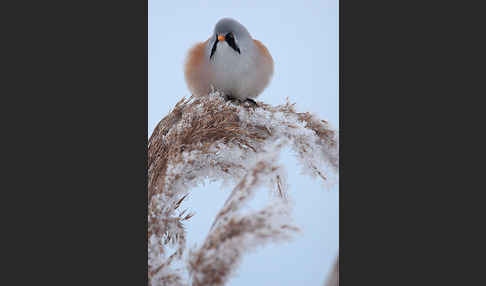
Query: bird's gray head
point(233, 33)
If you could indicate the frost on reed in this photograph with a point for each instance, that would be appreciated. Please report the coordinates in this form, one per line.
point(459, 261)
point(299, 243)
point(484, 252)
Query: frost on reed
point(210, 138)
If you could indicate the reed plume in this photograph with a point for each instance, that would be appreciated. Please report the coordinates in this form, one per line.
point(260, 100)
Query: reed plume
point(211, 138)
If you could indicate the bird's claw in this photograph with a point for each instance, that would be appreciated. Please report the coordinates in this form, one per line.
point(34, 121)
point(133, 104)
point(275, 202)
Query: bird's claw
point(251, 102)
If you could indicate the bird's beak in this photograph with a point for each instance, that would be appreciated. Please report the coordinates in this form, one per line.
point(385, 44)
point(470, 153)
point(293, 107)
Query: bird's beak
point(220, 38)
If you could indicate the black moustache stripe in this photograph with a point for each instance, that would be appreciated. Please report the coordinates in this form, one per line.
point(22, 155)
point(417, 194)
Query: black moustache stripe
point(231, 42)
point(213, 50)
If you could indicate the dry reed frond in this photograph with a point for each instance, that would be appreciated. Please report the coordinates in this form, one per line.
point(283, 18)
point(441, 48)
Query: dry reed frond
point(333, 276)
point(234, 233)
point(209, 138)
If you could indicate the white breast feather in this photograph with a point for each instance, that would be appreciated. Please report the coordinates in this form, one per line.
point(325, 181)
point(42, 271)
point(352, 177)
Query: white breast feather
point(234, 73)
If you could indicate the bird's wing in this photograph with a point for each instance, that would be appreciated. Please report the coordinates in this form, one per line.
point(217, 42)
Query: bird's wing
point(268, 60)
point(196, 70)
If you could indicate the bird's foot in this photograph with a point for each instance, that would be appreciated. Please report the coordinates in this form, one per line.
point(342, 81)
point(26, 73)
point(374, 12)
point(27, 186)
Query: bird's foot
point(229, 97)
point(251, 102)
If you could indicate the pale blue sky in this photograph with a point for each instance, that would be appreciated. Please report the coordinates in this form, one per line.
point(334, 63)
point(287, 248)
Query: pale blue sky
point(302, 37)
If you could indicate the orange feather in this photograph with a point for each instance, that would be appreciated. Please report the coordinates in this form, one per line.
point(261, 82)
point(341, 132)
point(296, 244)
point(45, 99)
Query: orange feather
point(195, 70)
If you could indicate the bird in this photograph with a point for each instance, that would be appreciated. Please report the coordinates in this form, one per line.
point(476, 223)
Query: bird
point(230, 61)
